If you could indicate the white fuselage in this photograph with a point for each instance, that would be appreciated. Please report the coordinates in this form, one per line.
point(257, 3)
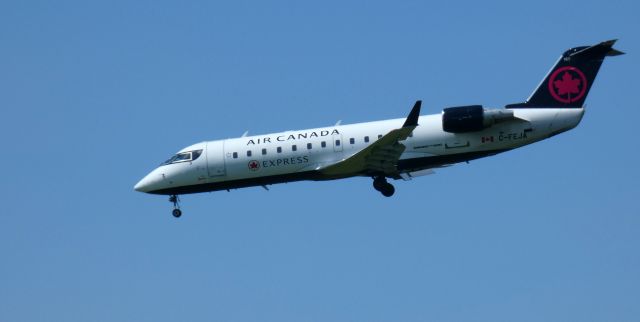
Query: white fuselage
point(296, 155)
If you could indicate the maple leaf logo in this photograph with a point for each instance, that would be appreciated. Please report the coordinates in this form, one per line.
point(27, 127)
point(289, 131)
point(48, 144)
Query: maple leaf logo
point(254, 165)
point(567, 84)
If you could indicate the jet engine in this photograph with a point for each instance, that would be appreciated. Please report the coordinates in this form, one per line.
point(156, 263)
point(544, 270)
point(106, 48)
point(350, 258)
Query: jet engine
point(472, 118)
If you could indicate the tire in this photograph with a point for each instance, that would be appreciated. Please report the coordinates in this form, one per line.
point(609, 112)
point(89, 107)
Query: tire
point(379, 184)
point(177, 213)
point(388, 190)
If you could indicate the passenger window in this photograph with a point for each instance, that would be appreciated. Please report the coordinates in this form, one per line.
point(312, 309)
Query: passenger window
point(264, 151)
point(279, 149)
point(235, 155)
point(308, 146)
point(249, 153)
point(294, 148)
point(379, 136)
point(337, 142)
point(352, 140)
point(323, 144)
point(366, 139)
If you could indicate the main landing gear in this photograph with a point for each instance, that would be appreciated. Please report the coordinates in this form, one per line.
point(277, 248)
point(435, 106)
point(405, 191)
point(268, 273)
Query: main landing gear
point(176, 206)
point(381, 184)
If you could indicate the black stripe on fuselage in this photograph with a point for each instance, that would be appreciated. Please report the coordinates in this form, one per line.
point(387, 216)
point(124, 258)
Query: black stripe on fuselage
point(405, 165)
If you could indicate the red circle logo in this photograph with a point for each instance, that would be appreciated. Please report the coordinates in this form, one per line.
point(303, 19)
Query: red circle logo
point(567, 84)
point(254, 165)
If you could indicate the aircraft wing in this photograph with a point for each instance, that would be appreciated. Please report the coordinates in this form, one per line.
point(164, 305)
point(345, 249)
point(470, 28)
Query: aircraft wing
point(381, 157)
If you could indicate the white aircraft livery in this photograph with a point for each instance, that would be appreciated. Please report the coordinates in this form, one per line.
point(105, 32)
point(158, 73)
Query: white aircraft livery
point(391, 149)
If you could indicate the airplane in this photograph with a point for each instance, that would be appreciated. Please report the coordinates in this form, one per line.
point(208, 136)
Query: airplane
point(402, 148)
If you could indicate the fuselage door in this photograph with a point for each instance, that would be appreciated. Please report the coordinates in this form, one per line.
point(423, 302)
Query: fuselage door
point(215, 158)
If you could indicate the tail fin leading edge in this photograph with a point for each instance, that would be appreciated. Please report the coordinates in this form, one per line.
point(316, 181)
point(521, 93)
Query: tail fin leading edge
point(568, 82)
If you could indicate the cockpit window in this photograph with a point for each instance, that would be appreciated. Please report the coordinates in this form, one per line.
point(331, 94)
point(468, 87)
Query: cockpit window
point(184, 157)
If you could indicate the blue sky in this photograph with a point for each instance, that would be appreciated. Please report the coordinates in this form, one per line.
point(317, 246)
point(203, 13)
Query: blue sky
point(96, 94)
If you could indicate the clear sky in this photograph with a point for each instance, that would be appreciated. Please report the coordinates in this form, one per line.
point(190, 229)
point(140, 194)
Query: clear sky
point(96, 94)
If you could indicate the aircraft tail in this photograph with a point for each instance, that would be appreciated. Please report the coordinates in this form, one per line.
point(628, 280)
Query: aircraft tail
point(568, 82)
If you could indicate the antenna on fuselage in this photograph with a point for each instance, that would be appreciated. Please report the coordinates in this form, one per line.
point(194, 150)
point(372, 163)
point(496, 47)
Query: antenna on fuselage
point(245, 133)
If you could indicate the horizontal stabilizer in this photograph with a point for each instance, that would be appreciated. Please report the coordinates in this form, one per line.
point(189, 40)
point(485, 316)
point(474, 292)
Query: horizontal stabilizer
point(614, 52)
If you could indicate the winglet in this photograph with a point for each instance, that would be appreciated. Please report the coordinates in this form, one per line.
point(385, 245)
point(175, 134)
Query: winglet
point(412, 119)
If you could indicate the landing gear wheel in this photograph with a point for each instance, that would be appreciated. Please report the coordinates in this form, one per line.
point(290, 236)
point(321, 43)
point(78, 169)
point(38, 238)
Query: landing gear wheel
point(176, 206)
point(379, 182)
point(388, 190)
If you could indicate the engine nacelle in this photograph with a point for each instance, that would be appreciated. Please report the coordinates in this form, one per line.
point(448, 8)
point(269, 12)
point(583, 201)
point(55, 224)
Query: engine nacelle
point(472, 118)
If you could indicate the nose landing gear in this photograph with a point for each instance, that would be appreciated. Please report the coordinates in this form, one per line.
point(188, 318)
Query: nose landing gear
point(380, 183)
point(176, 206)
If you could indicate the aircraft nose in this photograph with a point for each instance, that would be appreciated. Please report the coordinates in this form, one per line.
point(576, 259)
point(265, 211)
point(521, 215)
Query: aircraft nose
point(148, 183)
point(142, 185)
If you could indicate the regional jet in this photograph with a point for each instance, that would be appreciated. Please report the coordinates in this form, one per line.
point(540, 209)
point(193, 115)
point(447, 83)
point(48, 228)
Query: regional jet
point(402, 148)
